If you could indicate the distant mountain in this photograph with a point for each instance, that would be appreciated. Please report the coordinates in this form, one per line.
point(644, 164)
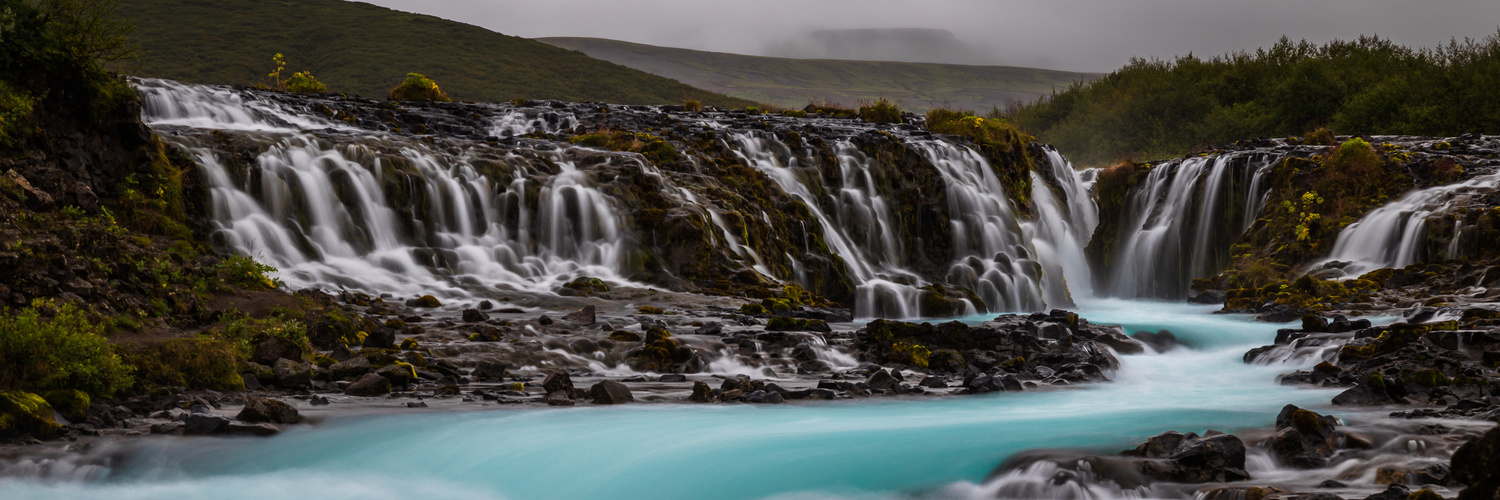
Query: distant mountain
point(795, 82)
point(879, 44)
point(362, 49)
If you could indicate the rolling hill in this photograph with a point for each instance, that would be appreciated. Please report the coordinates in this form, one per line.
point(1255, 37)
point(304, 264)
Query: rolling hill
point(362, 49)
point(795, 82)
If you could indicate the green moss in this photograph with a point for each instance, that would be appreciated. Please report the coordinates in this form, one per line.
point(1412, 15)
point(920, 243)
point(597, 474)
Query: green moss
point(428, 301)
point(408, 344)
point(787, 323)
point(1429, 378)
point(624, 336)
point(1424, 494)
point(72, 403)
point(910, 353)
point(650, 310)
point(24, 413)
point(752, 309)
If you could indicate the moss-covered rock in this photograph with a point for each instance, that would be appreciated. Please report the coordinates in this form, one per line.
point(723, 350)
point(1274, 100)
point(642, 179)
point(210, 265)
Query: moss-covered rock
point(71, 403)
point(24, 413)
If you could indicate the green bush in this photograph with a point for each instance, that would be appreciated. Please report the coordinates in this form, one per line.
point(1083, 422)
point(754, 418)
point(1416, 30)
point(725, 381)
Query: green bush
point(303, 82)
point(15, 110)
point(417, 87)
point(194, 363)
point(47, 347)
point(882, 111)
point(246, 273)
point(1156, 109)
point(243, 332)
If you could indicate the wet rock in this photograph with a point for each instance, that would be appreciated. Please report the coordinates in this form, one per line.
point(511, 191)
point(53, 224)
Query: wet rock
point(881, 380)
point(1477, 465)
point(1392, 492)
point(400, 374)
point(702, 393)
point(559, 398)
point(672, 378)
point(933, 382)
point(474, 316)
point(292, 374)
point(249, 429)
point(24, 413)
point(427, 301)
point(558, 381)
point(353, 367)
point(1207, 297)
point(581, 317)
point(1160, 341)
point(205, 423)
point(1304, 439)
point(710, 328)
point(166, 427)
point(416, 404)
point(1199, 460)
point(317, 400)
point(258, 409)
point(369, 385)
point(489, 371)
point(609, 392)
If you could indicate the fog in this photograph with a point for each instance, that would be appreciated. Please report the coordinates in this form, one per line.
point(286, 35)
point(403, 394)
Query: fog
point(1077, 35)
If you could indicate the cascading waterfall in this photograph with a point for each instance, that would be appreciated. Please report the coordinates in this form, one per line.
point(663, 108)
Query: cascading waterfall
point(1181, 220)
point(320, 213)
point(1393, 235)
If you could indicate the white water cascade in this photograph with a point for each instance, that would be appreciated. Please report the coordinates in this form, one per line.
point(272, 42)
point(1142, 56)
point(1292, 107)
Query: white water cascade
point(466, 223)
point(1393, 235)
point(1182, 219)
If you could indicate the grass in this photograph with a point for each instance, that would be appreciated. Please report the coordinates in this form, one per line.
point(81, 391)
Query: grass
point(49, 346)
point(362, 49)
point(792, 83)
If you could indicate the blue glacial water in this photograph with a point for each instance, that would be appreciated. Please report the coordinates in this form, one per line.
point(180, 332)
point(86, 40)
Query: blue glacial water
point(845, 449)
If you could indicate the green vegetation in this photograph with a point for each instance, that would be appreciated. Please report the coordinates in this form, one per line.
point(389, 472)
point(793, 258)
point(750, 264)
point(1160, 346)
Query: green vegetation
point(361, 49)
point(654, 148)
point(194, 363)
point(881, 111)
point(417, 87)
point(1155, 109)
point(792, 83)
point(49, 346)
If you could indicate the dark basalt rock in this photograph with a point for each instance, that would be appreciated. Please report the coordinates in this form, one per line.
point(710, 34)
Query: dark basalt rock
point(369, 385)
point(558, 382)
point(1303, 440)
point(258, 409)
point(609, 392)
point(1477, 465)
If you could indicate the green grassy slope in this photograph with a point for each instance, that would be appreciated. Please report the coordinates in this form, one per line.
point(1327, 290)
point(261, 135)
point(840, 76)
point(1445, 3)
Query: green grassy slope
point(795, 82)
point(362, 49)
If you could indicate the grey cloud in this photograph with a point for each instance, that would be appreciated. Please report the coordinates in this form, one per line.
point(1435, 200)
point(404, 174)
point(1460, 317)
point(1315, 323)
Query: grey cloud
point(1079, 35)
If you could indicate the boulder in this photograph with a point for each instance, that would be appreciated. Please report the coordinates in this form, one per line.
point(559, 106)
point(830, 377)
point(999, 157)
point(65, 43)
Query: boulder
point(271, 349)
point(24, 413)
point(350, 368)
point(559, 398)
point(258, 409)
point(291, 373)
point(581, 317)
point(474, 316)
point(710, 328)
point(1477, 464)
point(558, 381)
point(881, 380)
point(205, 423)
point(702, 393)
point(369, 385)
point(400, 374)
point(249, 429)
point(1304, 439)
point(489, 370)
point(610, 392)
point(1394, 492)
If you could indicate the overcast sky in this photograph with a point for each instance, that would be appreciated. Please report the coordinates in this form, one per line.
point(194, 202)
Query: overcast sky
point(1078, 35)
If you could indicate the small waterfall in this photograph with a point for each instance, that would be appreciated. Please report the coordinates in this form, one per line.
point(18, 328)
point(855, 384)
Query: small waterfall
point(1395, 234)
point(1181, 220)
point(383, 215)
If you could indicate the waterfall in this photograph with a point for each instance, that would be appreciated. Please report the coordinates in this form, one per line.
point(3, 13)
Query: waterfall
point(1181, 220)
point(1395, 234)
point(322, 214)
point(332, 203)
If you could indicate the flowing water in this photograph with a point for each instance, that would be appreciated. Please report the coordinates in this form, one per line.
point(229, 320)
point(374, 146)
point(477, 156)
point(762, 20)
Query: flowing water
point(1393, 235)
point(337, 207)
point(942, 447)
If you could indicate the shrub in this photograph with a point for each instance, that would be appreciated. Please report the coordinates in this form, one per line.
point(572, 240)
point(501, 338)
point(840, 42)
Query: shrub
point(246, 273)
point(194, 363)
point(693, 105)
point(417, 87)
point(63, 351)
point(303, 82)
point(243, 331)
point(1322, 137)
point(15, 110)
point(882, 111)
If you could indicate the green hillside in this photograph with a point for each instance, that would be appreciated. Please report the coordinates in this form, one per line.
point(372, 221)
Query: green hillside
point(363, 49)
point(795, 82)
